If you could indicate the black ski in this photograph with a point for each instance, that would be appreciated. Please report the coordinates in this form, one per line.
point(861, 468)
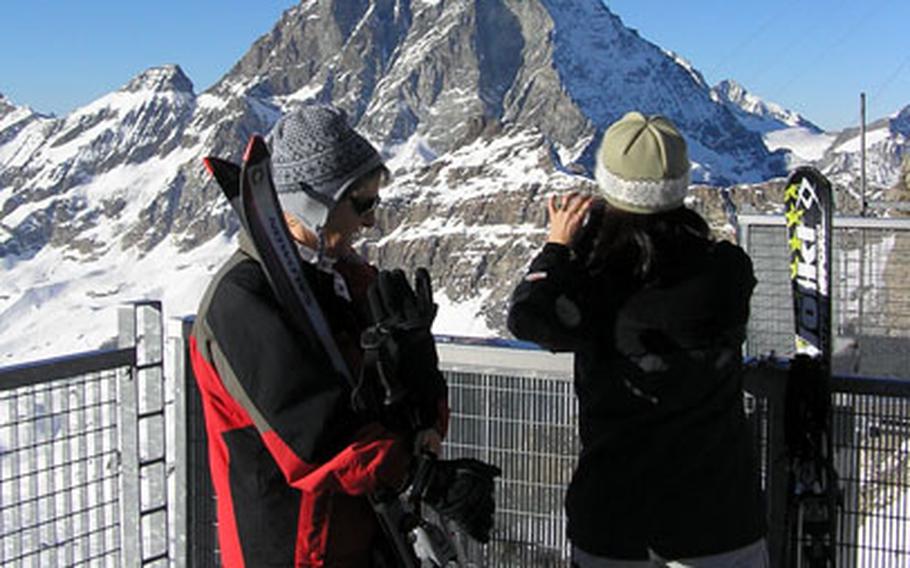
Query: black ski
point(813, 487)
point(250, 190)
point(227, 176)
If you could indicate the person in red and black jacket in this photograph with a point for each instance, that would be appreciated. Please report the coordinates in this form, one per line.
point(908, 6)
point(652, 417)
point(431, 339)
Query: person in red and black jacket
point(292, 459)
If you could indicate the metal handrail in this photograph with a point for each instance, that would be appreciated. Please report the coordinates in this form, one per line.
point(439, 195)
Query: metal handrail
point(760, 379)
point(37, 372)
point(877, 386)
point(840, 221)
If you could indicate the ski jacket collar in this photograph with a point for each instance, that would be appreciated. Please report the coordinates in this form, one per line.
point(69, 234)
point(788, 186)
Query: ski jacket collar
point(324, 264)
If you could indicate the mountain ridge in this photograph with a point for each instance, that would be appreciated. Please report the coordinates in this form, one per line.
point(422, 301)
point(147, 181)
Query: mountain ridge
point(112, 202)
point(775, 116)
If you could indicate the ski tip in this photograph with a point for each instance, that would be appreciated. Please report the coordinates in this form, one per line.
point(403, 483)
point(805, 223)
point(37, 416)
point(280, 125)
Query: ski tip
point(256, 148)
point(208, 165)
point(808, 172)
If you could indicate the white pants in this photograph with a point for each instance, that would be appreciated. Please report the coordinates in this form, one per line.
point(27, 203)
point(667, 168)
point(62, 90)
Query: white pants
point(754, 555)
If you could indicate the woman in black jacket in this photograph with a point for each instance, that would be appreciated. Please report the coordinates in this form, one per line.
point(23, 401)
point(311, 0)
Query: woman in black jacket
point(655, 312)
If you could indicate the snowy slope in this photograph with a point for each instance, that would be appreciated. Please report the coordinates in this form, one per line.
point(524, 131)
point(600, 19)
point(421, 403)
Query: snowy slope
point(807, 144)
point(70, 306)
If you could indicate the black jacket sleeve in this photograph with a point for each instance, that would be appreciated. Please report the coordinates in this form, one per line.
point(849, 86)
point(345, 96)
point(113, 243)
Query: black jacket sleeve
point(546, 305)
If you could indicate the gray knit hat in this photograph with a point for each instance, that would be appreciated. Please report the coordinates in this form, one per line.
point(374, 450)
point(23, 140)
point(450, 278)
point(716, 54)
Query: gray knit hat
point(316, 156)
point(642, 164)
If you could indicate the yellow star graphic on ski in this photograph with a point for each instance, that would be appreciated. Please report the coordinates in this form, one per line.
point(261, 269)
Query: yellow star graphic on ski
point(791, 193)
point(794, 216)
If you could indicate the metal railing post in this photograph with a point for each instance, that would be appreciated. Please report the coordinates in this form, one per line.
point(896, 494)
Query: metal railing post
point(177, 449)
point(128, 454)
point(143, 455)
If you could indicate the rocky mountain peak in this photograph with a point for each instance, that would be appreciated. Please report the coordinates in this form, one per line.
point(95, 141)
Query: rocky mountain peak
point(732, 93)
point(164, 78)
point(10, 111)
point(406, 69)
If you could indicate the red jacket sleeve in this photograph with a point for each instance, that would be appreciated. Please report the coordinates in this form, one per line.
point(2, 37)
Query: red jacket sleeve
point(376, 459)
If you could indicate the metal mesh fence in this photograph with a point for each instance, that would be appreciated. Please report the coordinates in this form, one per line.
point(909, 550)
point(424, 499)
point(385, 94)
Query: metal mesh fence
point(871, 327)
point(59, 473)
point(526, 426)
point(872, 445)
point(870, 293)
point(771, 316)
point(83, 460)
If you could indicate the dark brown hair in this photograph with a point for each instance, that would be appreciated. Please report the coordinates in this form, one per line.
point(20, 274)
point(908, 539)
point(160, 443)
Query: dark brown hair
point(645, 248)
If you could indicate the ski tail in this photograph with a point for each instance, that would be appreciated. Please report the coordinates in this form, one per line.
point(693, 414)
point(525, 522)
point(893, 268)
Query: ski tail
point(813, 487)
point(227, 176)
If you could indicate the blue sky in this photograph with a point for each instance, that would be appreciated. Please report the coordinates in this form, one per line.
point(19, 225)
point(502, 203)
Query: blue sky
point(812, 56)
point(57, 55)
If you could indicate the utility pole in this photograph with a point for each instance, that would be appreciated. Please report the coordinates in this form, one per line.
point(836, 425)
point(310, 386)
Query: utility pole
point(862, 248)
point(862, 143)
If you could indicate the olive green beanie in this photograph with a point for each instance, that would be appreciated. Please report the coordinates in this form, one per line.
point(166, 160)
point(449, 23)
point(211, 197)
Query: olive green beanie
point(642, 164)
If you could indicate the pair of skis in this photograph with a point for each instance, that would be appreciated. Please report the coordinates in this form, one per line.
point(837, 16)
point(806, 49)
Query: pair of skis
point(813, 485)
point(250, 190)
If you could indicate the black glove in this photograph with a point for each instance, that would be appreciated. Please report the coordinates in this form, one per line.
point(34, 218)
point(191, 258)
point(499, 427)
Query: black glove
point(461, 490)
point(400, 348)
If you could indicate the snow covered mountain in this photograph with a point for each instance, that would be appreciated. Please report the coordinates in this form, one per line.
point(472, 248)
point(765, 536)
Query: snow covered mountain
point(24, 124)
point(85, 207)
point(759, 115)
point(837, 154)
point(781, 129)
point(887, 146)
point(482, 107)
point(405, 69)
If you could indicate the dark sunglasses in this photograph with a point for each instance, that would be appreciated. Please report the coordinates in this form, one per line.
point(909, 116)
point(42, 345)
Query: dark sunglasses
point(364, 206)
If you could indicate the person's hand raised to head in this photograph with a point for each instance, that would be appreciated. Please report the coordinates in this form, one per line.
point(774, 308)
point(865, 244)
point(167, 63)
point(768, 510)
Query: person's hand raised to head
point(567, 215)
